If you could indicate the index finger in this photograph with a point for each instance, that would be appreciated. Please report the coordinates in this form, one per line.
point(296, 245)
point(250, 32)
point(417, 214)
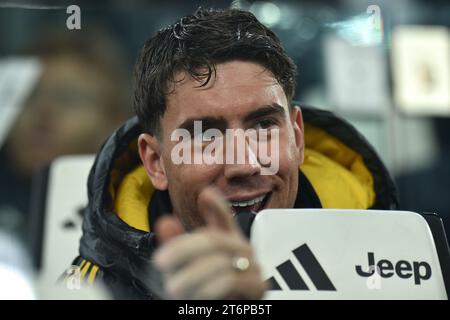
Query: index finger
point(215, 210)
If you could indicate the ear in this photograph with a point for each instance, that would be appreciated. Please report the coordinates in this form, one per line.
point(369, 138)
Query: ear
point(299, 133)
point(150, 153)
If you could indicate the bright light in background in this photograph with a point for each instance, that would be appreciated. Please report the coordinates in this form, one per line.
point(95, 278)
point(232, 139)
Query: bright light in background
point(15, 270)
point(363, 30)
point(267, 12)
point(421, 69)
point(14, 285)
point(307, 28)
point(289, 16)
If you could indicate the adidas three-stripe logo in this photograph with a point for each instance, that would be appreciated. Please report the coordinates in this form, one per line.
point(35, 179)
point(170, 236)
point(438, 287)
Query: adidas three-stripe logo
point(311, 266)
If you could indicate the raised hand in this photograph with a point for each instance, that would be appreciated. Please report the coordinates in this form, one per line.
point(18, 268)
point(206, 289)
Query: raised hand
point(212, 262)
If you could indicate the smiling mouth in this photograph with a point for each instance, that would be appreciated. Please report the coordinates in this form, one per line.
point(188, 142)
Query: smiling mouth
point(251, 205)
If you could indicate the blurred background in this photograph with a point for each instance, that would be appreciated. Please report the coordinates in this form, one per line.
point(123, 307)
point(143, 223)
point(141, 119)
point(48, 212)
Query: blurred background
point(65, 79)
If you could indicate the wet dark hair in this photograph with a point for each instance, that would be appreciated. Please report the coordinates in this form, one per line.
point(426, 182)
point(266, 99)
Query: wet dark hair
point(195, 44)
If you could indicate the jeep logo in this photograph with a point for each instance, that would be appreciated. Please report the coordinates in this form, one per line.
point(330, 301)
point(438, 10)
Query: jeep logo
point(403, 269)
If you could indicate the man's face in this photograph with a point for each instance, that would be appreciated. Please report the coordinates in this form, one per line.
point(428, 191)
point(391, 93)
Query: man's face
point(242, 95)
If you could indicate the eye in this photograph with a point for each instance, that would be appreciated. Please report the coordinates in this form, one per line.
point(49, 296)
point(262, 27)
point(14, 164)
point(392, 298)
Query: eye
point(265, 123)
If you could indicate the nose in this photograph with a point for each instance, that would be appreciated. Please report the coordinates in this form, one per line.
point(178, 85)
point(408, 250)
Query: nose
point(245, 163)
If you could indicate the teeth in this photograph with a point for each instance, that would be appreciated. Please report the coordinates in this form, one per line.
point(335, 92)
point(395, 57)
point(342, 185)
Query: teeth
point(248, 203)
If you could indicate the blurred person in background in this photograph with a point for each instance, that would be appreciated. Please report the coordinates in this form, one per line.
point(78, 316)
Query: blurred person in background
point(80, 98)
point(428, 189)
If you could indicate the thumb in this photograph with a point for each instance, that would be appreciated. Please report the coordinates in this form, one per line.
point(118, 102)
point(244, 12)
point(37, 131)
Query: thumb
point(167, 228)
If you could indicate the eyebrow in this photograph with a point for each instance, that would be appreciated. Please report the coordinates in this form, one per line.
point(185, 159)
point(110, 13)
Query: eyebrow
point(207, 123)
point(221, 124)
point(264, 111)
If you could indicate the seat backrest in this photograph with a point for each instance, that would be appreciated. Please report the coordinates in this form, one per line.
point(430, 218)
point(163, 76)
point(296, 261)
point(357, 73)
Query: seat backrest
point(351, 254)
point(59, 197)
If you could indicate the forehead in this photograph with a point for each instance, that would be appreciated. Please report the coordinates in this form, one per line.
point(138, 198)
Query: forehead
point(236, 88)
